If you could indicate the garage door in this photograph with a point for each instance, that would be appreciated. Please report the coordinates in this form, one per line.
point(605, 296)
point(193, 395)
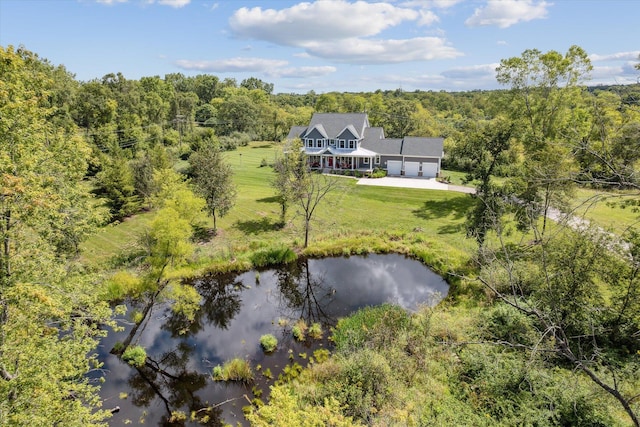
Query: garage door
point(411, 168)
point(429, 170)
point(394, 167)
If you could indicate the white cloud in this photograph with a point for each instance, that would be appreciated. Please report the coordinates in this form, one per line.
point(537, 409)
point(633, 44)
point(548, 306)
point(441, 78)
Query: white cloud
point(301, 72)
point(322, 20)
point(505, 13)
point(430, 4)
point(239, 64)
point(174, 3)
point(472, 72)
point(110, 2)
point(502, 43)
point(618, 56)
point(365, 51)
point(428, 18)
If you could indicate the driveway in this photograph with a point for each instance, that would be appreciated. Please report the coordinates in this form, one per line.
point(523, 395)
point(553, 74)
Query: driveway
point(423, 183)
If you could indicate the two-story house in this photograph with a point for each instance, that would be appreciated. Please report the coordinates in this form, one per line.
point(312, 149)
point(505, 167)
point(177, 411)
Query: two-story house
point(346, 141)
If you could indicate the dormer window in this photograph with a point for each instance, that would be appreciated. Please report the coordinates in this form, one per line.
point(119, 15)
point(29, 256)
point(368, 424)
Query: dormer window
point(309, 143)
point(342, 143)
point(352, 144)
point(332, 142)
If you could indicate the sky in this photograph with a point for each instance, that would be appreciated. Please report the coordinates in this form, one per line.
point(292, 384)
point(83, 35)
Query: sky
point(327, 45)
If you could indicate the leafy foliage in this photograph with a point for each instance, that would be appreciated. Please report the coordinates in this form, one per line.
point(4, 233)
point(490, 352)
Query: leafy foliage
point(269, 343)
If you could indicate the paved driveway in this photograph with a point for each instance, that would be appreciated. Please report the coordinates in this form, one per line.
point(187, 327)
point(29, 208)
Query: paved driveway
point(424, 183)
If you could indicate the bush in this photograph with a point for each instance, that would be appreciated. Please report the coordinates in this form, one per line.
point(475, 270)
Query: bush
point(299, 330)
point(378, 173)
point(506, 323)
point(269, 343)
point(315, 331)
point(360, 382)
point(135, 356)
point(376, 327)
point(234, 370)
point(272, 256)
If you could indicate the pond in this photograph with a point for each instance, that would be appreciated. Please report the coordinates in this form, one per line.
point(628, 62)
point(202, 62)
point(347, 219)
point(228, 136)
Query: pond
point(236, 310)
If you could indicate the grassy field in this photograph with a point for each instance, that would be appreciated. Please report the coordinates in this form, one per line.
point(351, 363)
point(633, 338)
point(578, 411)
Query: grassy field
point(607, 209)
point(355, 219)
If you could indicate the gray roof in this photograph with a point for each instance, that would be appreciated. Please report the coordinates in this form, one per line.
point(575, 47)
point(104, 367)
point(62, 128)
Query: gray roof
point(296, 132)
point(423, 147)
point(383, 146)
point(331, 125)
point(335, 123)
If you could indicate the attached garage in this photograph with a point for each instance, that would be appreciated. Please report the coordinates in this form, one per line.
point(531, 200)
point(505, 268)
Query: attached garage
point(394, 167)
point(429, 170)
point(411, 168)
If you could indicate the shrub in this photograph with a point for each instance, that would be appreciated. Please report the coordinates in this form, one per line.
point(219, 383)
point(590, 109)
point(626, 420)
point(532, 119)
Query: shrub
point(506, 323)
point(272, 256)
point(315, 331)
point(235, 369)
point(360, 382)
point(135, 356)
point(299, 330)
point(268, 343)
point(376, 327)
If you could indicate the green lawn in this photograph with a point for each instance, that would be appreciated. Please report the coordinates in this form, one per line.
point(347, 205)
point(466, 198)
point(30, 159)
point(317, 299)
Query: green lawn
point(607, 209)
point(356, 219)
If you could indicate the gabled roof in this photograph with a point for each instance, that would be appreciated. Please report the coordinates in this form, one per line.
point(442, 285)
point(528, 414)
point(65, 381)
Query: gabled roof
point(319, 128)
point(423, 147)
point(296, 132)
point(334, 123)
point(351, 130)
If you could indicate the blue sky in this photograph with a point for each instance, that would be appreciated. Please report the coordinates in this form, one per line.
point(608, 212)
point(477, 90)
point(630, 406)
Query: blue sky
point(330, 45)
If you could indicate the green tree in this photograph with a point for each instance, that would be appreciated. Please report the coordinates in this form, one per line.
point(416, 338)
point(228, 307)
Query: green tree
point(254, 83)
point(288, 169)
point(398, 121)
point(117, 185)
point(544, 86)
point(296, 183)
point(486, 148)
point(213, 179)
point(48, 316)
point(327, 103)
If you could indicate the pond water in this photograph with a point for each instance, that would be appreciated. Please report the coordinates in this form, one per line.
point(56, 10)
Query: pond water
point(236, 310)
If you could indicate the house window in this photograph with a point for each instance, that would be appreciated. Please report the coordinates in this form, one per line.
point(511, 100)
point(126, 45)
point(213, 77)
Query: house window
point(377, 160)
point(318, 143)
point(352, 144)
point(332, 142)
point(342, 143)
point(365, 161)
point(309, 143)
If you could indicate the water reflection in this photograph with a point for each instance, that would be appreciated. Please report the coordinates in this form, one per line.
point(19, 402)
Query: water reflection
point(235, 311)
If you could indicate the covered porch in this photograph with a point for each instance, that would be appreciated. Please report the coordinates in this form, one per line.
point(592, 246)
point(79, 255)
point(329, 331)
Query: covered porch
point(333, 162)
point(348, 160)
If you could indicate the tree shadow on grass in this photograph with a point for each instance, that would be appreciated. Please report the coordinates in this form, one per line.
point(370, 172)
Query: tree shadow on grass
point(272, 199)
point(455, 208)
point(257, 226)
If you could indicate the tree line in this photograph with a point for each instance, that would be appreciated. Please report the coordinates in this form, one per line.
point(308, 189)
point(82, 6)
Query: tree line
point(77, 155)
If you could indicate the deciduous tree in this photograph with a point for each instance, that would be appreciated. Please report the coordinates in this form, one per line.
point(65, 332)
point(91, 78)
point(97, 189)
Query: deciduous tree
point(214, 180)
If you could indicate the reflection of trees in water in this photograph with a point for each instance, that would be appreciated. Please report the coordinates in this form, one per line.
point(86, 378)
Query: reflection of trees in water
point(168, 379)
point(220, 303)
point(304, 295)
